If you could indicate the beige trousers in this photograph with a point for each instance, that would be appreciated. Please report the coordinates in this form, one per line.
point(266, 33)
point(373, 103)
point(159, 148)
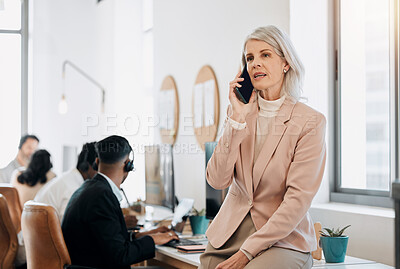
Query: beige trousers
point(273, 258)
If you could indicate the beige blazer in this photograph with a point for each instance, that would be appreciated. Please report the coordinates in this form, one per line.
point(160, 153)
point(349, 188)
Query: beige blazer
point(278, 188)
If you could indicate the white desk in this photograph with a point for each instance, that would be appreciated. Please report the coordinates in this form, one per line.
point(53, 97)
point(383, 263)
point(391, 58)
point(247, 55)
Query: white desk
point(171, 258)
point(190, 259)
point(168, 256)
point(350, 263)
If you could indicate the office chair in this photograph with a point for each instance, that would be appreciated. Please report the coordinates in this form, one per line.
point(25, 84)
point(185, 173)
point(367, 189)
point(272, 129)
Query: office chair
point(44, 241)
point(14, 205)
point(9, 241)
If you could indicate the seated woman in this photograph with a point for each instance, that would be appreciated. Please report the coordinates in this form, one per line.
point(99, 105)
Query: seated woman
point(272, 155)
point(28, 182)
point(31, 180)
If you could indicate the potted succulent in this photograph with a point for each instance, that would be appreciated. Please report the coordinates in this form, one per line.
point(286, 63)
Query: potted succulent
point(198, 221)
point(334, 244)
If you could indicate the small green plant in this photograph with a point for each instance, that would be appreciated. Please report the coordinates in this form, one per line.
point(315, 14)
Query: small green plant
point(195, 212)
point(332, 232)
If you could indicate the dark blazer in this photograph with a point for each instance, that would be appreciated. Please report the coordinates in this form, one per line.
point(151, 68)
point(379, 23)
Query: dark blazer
point(95, 231)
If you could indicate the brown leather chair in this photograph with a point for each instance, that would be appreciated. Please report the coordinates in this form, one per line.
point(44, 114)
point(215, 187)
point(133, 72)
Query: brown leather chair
point(14, 205)
point(8, 237)
point(44, 242)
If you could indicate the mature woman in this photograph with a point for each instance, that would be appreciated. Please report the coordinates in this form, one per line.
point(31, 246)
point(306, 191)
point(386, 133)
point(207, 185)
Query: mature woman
point(272, 155)
point(30, 181)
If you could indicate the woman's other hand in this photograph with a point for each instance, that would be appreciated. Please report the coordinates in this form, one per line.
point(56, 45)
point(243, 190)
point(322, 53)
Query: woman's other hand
point(237, 261)
point(239, 109)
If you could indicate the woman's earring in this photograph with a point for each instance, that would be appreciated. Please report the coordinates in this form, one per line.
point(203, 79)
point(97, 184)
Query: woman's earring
point(284, 71)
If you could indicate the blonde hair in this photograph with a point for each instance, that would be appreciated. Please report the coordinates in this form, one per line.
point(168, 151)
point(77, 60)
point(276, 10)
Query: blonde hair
point(283, 47)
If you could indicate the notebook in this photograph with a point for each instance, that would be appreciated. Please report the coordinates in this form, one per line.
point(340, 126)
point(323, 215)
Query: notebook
point(192, 249)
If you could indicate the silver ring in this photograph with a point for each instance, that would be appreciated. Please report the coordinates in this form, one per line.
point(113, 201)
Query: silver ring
point(170, 234)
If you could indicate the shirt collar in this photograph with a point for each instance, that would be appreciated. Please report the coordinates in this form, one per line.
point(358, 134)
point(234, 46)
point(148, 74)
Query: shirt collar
point(269, 108)
point(114, 187)
point(16, 164)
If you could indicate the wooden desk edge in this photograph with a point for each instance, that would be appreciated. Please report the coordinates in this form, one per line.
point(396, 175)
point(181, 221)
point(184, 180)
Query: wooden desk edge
point(169, 262)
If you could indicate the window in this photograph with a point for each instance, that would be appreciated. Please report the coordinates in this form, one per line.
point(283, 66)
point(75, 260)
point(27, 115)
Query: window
point(13, 73)
point(365, 107)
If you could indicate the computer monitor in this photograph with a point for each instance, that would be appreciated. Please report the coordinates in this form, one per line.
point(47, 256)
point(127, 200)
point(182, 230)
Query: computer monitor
point(159, 174)
point(214, 198)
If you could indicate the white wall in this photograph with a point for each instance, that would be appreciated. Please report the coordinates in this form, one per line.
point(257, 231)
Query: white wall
point(105, 41)
point(310, 33)
point(134, 106)
point(82, 32)
point(188, 35)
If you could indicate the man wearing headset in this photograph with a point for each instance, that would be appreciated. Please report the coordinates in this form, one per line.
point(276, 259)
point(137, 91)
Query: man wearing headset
point(93, 225)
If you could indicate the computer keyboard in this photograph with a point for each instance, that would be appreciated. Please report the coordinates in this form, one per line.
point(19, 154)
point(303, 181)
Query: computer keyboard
point(182, 242)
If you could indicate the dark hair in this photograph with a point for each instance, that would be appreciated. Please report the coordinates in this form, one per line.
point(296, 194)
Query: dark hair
point(87, 157)
point(37, 169)
point(26, 137)
point(112, 149)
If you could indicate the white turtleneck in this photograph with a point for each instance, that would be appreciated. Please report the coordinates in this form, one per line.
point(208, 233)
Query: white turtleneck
point(267, 111)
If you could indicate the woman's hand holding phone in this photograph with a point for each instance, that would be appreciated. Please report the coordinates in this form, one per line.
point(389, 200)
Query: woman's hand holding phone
point(240, 110)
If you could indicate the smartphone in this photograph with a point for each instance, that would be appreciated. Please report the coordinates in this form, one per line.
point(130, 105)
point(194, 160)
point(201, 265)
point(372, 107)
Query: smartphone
point(244, 93)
